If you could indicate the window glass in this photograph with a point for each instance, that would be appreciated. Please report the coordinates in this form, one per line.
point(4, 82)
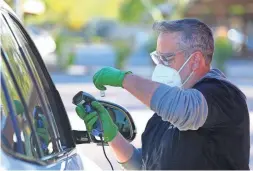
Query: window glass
point(29, 55)
point(40, 114)
point(8, 136)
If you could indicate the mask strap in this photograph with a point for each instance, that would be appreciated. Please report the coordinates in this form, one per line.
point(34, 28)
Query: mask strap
point(187, 79)
point(185, 63)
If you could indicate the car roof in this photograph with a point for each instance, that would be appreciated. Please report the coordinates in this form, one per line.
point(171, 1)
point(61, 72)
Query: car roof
point(5, 6)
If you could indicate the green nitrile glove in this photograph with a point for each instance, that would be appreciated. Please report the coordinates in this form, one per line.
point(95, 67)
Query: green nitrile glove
point(110, 129)
point(18, 107)
point(109, 76)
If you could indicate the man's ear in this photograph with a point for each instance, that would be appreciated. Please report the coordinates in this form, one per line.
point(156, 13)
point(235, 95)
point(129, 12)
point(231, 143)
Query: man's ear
point(196, 61)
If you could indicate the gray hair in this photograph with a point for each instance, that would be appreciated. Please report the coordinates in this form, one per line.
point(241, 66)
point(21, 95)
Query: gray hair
point(194, 36)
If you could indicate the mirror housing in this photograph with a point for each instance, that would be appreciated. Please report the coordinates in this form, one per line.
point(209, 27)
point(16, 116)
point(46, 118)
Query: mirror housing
point(121, 113)
point(81, 137)
point(121, 118)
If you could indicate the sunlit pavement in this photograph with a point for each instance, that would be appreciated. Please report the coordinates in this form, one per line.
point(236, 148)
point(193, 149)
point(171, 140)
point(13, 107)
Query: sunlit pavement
point(139, 112)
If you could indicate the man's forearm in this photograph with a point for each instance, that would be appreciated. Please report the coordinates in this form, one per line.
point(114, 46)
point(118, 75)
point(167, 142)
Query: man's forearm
point(121, 148)
point(142, 89)
point(127, 155)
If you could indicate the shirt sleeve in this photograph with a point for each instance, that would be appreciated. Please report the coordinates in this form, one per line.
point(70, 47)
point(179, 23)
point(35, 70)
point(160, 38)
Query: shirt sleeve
point(185, 109)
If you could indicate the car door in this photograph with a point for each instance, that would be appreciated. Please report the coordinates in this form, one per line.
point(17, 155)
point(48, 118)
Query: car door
point(28, 84)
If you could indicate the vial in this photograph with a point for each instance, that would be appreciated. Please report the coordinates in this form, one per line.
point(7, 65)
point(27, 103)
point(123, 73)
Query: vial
point(102, 93)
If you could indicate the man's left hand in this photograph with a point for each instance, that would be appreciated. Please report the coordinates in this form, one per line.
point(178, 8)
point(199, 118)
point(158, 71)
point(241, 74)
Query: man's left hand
point(109, 76)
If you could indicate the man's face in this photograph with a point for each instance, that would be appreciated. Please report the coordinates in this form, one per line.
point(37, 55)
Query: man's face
point(167, 43)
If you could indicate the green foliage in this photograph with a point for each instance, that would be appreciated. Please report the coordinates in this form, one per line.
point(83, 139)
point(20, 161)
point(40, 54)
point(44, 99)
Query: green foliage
point(75, 14)
point(131, 11)
point(223, 51)
point(237, 9)
point(123, 50)
point(70, 58)
point(151, 44)
point(65, 50)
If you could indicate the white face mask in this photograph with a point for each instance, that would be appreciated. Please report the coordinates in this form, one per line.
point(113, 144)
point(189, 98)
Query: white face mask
point(167, 75)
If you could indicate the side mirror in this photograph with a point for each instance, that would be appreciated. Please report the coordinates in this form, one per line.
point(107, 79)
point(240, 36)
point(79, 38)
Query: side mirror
point(121, 118)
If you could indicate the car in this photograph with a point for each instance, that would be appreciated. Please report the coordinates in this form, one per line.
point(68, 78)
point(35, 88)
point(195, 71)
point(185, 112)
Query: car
point(35, 129)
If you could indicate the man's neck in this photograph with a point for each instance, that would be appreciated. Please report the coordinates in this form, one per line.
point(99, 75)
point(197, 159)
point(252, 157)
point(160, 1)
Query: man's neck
point(195, 78)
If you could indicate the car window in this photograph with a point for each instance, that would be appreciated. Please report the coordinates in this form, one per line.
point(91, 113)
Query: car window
point(8, 135)
point(48, 89)
point(38, 106)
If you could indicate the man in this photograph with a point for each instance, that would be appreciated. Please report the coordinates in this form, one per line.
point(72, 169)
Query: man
point(201, 120)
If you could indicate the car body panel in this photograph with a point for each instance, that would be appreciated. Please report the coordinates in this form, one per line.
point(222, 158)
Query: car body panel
point(74, 162)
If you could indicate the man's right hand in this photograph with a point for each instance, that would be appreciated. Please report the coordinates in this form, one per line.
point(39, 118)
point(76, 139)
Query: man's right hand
point(120, 146)
point(110, 129)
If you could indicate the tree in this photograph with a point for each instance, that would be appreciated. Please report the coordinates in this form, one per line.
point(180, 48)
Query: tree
point(132, 11)
point(76, 13)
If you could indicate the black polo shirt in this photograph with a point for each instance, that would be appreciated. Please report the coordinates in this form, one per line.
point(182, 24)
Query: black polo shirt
point(223, 142)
